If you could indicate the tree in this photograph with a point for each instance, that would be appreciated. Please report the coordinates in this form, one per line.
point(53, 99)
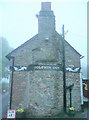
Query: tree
point(4, 50)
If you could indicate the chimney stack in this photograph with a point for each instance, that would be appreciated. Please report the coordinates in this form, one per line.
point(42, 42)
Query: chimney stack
point(46, 6)
point(46, 19)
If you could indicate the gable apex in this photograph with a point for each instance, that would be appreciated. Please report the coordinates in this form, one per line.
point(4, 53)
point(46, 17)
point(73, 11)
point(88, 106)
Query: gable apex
point(36, 37)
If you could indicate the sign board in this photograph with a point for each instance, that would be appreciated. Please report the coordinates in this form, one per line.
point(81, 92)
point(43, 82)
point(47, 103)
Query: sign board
point(36, 67)
point(11, 114)
point(55, 67)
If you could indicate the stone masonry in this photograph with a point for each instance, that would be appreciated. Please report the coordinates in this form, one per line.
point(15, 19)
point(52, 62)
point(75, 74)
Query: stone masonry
point(42, 90)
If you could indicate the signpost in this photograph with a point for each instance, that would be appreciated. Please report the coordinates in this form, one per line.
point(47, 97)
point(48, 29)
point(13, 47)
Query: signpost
point(11, 114)
point(70, 90)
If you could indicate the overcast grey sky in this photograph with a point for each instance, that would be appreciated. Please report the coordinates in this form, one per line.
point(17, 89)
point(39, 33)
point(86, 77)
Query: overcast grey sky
point(19, 23)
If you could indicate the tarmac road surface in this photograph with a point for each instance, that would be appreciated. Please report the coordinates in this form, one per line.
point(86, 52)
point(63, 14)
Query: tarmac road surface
point(5, 97)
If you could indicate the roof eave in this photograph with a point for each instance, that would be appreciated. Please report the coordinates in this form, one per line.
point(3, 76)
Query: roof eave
point(8, 56)
point(70, 46)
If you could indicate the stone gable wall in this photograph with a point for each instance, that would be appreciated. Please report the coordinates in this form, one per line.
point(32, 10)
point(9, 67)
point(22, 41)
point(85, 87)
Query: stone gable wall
point(42, 90)
point(72, 60)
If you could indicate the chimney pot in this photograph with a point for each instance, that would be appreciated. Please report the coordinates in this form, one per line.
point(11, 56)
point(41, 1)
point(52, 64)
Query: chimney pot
point(46, 6)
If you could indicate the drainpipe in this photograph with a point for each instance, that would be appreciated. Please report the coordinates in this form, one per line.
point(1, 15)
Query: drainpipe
point(11, 80)
point(81, 88)
point(81, 85)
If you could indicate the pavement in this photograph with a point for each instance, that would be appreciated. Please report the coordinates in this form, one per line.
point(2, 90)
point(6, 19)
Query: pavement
point(5, 97)
point(81, 114)
point(84, 114)
point(3, 107)
point(86, 110)
point(0, 105)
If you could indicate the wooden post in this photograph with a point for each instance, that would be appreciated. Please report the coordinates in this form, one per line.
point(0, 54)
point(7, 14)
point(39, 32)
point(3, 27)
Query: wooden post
point(64, 72)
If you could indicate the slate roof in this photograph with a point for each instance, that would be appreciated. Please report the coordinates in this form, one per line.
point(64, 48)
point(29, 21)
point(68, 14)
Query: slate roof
point(33, 38)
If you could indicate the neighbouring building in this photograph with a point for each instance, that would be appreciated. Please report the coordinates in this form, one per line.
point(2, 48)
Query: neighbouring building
point(85, 89)
point(36, 69)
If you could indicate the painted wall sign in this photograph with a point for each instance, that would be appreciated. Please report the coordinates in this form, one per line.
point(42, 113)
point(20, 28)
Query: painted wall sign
point(44, 67)
point(36, 67)
point(74, 69)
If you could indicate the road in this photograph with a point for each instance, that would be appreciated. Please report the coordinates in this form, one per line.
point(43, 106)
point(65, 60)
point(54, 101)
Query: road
point(5, 97)
point(0, 105)
point(88, 111)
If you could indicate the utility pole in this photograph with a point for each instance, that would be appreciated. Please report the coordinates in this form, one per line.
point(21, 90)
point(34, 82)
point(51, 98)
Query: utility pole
point(11, 81)
point(64, 72)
